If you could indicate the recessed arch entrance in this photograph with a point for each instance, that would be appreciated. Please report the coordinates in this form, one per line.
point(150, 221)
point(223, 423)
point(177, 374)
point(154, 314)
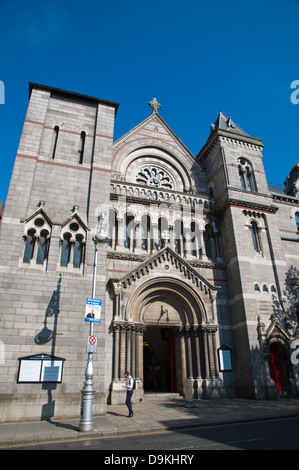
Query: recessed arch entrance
point(165, 323)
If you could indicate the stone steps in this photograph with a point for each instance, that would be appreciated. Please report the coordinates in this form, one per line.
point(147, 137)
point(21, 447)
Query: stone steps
point(153, 396)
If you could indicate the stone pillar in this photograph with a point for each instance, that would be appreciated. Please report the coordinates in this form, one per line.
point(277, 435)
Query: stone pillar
point(128, 347)
point(133, 351)
point(203, 247)
point(121, 234)
point(183, 354)
point(197, 350)
point(122, 356)
point(188, 342)
point(116, 352)
point(206, 352)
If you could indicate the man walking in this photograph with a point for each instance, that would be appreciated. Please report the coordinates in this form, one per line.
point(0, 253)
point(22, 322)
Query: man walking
point(129, 387)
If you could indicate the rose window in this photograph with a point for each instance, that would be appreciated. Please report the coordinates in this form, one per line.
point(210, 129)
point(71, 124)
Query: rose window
point(155, 177)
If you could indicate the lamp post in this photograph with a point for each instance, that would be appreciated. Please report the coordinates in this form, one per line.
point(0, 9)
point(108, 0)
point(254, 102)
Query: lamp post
point(88, 391)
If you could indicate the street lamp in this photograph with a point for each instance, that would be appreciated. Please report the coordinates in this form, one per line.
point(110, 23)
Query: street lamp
point(88, 391)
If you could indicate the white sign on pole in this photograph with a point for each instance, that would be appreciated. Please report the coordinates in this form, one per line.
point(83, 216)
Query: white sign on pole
point(93, 310)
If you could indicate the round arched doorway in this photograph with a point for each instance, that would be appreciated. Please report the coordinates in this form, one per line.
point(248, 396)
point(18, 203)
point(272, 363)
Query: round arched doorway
point(164, 330)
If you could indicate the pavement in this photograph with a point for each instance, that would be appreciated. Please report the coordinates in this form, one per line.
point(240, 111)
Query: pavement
point(151, 415)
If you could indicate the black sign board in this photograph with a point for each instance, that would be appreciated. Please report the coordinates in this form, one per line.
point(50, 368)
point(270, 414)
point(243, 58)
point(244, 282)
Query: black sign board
point(40, 368)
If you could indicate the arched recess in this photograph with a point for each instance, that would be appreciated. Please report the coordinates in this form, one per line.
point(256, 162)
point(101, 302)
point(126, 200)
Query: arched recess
point(192, 308)
point(134, 156)
point(170, 305)
point(280, 368)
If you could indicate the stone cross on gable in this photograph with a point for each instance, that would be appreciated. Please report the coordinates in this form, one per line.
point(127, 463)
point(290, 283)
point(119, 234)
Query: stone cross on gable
point(155, 105)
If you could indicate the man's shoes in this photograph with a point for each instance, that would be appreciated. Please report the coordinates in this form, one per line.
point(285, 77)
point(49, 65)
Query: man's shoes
point(131, 415)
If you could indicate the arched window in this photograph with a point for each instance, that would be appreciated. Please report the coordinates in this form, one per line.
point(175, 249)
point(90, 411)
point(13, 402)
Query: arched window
point(195, 241)
point(179, 239)
point(256, 240)
point(146, 234)
point(78, 251)
point(42, 247)
point(155, 177)
point(163, 230)
point(54, 141)
point(72, 242)
point(29, 246)
point(246, 175)
point(37, 239)
point(65, 250)
point(209, 241)
point(112, 229)
point(82, 144)
point(129, 241)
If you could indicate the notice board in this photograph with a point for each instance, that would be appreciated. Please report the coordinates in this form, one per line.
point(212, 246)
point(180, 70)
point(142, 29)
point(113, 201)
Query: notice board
point(40, 368)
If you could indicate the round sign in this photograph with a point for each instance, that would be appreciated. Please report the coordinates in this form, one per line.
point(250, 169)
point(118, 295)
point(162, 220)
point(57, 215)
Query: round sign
point(92, 340)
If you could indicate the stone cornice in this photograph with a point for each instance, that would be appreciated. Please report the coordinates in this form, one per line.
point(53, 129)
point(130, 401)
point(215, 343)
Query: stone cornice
point(246, 205)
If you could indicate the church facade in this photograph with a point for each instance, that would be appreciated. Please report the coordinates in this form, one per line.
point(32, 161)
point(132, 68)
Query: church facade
point(197, 280)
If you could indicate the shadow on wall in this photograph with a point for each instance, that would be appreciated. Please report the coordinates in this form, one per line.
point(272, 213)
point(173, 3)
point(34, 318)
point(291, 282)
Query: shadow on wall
point(45, 336)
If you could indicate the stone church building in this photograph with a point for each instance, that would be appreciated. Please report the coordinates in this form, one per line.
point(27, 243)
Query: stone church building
point(192, 280)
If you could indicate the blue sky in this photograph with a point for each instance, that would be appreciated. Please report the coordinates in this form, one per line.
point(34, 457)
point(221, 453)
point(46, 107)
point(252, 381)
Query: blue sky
point(195, 56)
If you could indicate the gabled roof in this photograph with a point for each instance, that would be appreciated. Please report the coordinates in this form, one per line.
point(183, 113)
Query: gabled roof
point(152, 117)
point(167, 256)
point(76, 216)
point(40, 211)
point(226, 124)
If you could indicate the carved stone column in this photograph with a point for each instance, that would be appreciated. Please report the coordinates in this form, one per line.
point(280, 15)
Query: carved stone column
point(121, 232)
point(122, 355)
point(197, 352)
point(128, 347)
point(188, 340)
point(206, 352)
point(116, 374)
point(133, 351)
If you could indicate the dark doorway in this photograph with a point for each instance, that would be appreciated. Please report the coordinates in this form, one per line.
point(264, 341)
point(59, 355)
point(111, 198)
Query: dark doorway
point(279, 367)
point(159, 361)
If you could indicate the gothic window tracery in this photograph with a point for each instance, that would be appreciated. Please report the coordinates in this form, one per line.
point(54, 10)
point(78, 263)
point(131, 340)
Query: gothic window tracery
point(154, 177)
